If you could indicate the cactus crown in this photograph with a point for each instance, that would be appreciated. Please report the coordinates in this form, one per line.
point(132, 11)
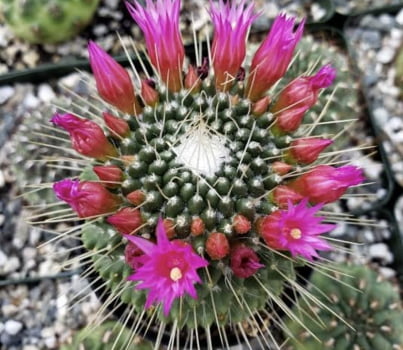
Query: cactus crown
point(204, 190)
point(364, 312)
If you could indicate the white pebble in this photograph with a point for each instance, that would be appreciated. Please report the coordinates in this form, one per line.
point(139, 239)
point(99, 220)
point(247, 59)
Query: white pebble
point(5, 93)
point(12, 327)
point(385, 55)
point(380, 251)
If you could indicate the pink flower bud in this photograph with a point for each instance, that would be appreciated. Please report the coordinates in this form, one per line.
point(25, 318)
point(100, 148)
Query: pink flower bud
point(113, 82)
point(244, 261)
point(117, 125)
point(126, 221)
point(274, 55)
point(231, 24)
point(217, 246)
point(192, 80)
point(136, 197)
point(281, 168)
point(325, 184)
point(241, 224)
point(86, 136)
point(307, 150)
point(282, 195)
point(150, 96)
point(111, 175)
point(86, 198)
point(298, 96)
point(197, 227)
point(159, 22)
point(261, 106)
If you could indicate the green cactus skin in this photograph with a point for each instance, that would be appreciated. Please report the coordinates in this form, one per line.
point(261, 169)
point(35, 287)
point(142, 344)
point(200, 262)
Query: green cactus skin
point(47, 21)
point(107, 336)
point(363, 300)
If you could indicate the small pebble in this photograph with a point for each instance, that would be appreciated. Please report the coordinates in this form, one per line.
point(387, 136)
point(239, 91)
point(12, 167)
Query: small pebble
point(13, 327)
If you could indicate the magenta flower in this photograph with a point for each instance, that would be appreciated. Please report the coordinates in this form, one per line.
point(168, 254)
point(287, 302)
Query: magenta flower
point(296, 230)
point(307, 150)
point(159, 22)
point(298, 96)
point(86, 198)
point(325, 184)
point(244, 262)
point(113, 82)
point(87, 137)
point(231, 24)
point(272, 58)
point(168, 270)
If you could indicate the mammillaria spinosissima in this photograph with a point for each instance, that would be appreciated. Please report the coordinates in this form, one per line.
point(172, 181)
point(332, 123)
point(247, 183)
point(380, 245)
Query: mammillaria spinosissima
point(202, 178)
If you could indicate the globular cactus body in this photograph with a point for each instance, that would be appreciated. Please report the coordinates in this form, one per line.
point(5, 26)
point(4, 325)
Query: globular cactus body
point(107, 336)
point(47, 22)
point(364, 313)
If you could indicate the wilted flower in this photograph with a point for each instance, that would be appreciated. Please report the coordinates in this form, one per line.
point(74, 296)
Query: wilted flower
point(298, 96)
point(244, 261)
point(86, 136)
point(325, 184)
point(86, 198)
point(168, 269)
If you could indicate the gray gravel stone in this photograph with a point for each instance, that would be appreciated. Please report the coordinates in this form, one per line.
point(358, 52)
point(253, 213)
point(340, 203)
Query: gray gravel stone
point(12, 327)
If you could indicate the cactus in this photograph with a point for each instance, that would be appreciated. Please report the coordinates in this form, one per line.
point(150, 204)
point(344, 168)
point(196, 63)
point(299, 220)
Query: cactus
point(30, 155)
point(364, 312)
point(201, 193)
point(47, 22)
point(105, 337)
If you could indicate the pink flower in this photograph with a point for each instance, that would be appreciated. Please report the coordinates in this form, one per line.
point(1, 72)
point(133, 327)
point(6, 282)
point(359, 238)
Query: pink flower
point(272, 58)
point(231, 24)
point(159, 22)
point(307, 150)
point(168, 270)
point(298, 96)
point(113, 82)
point(296, 230)
point(86, 198)
point(325, 184)
point(126, 220)
point(117, 125)
point(133, 256)
point(86, 136)
point(244, 262)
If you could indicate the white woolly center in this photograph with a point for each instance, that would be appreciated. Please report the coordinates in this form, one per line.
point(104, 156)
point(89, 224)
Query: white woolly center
point(202, 151)
point(175, 274)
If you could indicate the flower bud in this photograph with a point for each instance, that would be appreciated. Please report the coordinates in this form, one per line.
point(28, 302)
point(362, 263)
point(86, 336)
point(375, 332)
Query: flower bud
point(281, 168)
point(111, 175)
point(113, 82)
point(86, 198)
point(274, 55)
point(298, 96)
point(117, 125)
point(197, 227)
point(169, 226)
point(150, 95)
point(307, 150)
point(126, 221)
point(217, 246)
point(87, 137)
point(282, 195)
point(241, 224)
point(325, 184)
point(261, 106)
point(244, 261)
point(192, 80)
point(136, 197)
